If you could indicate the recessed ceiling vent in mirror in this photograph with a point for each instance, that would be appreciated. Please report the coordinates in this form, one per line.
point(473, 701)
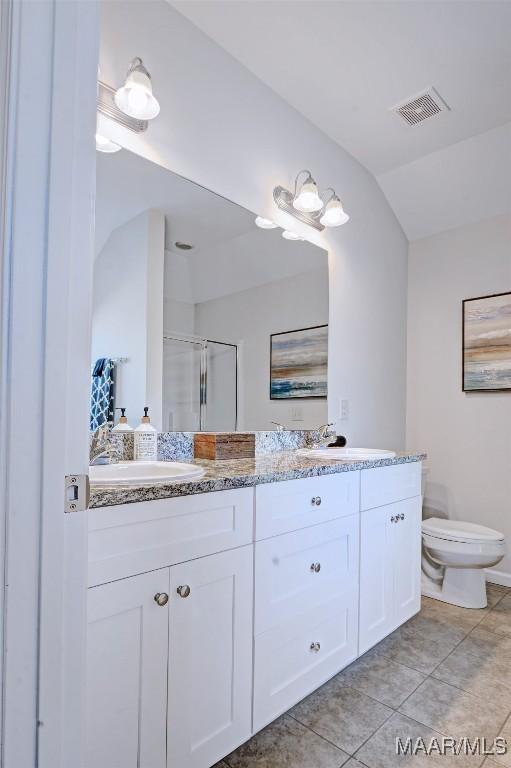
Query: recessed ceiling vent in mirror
point(421, 107)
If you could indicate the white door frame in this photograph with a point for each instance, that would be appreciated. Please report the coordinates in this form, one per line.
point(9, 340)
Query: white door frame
point(46, 254)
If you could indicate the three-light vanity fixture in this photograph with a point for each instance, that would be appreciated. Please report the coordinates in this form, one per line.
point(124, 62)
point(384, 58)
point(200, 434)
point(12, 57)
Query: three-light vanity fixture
point(132, 105)
point(308, 206)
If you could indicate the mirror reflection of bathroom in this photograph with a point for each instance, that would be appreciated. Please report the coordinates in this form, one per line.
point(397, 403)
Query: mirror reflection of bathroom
point(212, 322)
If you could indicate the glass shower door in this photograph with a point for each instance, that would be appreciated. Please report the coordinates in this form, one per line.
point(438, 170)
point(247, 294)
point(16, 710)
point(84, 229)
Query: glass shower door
point(220, 388)
point(182, 364)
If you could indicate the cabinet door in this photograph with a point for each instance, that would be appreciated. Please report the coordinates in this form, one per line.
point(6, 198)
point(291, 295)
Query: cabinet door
point(210, 669)
point(407, 559)
point(376, 575)
point(127, 655)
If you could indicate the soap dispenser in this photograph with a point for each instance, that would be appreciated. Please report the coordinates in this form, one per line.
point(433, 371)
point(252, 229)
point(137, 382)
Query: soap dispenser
point(146, 440)
point(123, 425)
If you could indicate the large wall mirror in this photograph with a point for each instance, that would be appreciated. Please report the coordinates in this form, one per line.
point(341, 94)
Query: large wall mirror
point(212, 322)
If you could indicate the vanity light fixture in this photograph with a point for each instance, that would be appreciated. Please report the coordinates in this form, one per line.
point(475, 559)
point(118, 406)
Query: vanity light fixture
point(333, 214)
point(306, 197)
point(288, 235)
point(106, 145)
point(265, 223)
point(135, 98)
point(308, 206)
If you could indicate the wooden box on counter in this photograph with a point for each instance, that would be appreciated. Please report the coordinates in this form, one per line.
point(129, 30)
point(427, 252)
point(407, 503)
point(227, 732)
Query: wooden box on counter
point(224, 445)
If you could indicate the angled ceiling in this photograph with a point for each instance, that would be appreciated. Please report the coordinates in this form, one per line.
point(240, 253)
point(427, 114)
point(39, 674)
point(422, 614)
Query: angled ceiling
point(344, 65)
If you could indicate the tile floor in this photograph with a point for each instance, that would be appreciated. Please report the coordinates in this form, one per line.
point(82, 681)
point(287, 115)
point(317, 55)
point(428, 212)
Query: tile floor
point(445, 672)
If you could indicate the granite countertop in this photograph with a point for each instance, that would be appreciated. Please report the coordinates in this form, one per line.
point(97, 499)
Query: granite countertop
point(241, 473)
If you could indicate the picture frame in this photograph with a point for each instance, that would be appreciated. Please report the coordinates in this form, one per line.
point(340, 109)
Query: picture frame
point(299, 364)
point(486, 343)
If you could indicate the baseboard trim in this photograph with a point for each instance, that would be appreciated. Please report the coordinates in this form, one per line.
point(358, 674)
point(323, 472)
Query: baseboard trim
point(501, 578)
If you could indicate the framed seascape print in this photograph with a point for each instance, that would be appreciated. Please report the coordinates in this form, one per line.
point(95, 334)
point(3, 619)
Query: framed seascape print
point(487, 343)
point(299, 363)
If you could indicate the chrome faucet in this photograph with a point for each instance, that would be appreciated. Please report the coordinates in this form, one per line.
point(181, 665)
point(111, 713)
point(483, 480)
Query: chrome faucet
point(280, 427)
point(102, 451)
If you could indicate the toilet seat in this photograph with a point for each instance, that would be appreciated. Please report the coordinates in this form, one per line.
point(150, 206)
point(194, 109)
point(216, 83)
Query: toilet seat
point(459, 531)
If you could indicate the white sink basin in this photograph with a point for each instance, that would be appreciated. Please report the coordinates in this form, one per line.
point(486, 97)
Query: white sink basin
point(143, 473)
point(349, 454)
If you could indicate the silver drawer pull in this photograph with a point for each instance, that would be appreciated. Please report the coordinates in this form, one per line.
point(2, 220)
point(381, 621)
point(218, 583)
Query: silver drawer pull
point(161, 598)
point(316, 501)
point(315, 567)
point(393, 519)
point(183, 591)
point(402, 516)
point(315, 647)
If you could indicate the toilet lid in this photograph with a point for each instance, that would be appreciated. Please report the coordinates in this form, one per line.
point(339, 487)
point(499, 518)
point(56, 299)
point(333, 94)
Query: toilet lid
point(456, 530)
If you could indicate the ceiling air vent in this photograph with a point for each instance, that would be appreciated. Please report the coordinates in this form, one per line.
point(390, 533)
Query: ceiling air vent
point(421, 107)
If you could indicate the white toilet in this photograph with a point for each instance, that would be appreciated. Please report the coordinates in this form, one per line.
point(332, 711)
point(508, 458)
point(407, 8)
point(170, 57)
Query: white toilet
point(454, 555)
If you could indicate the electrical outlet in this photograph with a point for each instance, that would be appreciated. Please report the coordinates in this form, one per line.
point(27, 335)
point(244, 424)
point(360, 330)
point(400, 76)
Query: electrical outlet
point(344, 410)
point(296, 414)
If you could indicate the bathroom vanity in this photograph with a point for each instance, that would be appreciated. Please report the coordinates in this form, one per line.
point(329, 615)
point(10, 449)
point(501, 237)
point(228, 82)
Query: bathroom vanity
point(220, 603)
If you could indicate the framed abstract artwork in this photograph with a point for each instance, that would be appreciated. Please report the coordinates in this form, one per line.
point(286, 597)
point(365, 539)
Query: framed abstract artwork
point(487, 343)
point(299, 363)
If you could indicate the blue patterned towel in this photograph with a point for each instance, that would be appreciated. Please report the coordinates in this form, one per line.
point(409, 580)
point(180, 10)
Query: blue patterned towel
point(103, 393)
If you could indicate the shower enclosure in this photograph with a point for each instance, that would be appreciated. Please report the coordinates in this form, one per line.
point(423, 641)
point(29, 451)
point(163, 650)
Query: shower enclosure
point(200, 385)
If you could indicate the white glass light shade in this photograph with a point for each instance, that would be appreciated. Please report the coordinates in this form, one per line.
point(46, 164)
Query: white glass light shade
point(135, 98)
point(288, 235)
point(106, 145)
point(308, 199)
point(265, 223)
point(334, 214)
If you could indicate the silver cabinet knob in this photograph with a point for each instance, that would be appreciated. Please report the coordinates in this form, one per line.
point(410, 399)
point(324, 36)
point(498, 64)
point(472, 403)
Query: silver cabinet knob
point(316, 501)
point(401, 516)
point(161, 598)
point(184, 590)
point(392, 519)
point(315, 567)
point(315, 647)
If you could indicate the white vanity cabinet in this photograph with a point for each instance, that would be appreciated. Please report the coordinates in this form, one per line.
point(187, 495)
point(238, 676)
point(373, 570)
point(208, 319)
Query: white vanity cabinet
point(390, 550)
point(127, 653)
point(170, 679)
point(210, 659)
point(212, 614)
point(306, 612)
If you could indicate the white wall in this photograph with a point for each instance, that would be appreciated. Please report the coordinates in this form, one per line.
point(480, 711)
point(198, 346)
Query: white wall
point(223, 128)
point(249, 317)
point(127, 318)
point(467, 435)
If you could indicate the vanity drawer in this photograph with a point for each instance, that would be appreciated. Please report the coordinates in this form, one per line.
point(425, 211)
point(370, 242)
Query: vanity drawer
point(385, 485)
point(287, 668)
point(296, 571)
point(134, 538)
point(293, 504)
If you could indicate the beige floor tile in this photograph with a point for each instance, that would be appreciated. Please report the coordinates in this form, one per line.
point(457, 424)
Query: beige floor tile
point(381, 749)
point(505, 760)
point(451, 620)
point(286, 744)
point(485, 644)
point(410, 646)
point(499, 618)
point(454, 712)
point(381, 678)
point(489, 678)
point(341, 714)
point(495, 593)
